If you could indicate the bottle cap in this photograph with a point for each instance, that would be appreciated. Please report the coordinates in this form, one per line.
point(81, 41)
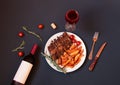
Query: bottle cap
point(34, 49)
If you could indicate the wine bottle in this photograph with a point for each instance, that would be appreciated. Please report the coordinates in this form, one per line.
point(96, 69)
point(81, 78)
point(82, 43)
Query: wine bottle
point(25, 68)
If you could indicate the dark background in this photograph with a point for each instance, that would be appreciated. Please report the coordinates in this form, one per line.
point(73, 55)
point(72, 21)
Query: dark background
point(95, 15)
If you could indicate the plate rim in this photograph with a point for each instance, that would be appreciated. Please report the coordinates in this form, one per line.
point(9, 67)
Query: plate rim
point(67, 69)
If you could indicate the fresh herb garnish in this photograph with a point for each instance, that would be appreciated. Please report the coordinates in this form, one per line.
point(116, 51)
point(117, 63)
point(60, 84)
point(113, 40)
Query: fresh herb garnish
point(54, 63)
point(21, 46)
point(33, 33)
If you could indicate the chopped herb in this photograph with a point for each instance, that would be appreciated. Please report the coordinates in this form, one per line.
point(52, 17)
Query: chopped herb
point(54, 63)
point(33, 33)
point(21, 46)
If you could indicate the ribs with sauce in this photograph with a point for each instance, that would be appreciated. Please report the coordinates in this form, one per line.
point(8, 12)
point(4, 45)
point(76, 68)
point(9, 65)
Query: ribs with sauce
point(59, 45)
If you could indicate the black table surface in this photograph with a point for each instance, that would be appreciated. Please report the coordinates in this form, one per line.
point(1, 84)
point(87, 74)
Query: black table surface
point(95, 15)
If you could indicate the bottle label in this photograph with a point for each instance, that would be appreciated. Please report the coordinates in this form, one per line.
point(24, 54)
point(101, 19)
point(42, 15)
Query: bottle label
point(23, 72)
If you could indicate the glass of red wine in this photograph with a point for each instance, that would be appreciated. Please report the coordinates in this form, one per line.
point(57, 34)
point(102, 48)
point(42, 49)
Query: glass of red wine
point(71, 17)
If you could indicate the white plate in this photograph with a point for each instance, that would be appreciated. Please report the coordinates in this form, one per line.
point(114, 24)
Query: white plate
point(67, 69)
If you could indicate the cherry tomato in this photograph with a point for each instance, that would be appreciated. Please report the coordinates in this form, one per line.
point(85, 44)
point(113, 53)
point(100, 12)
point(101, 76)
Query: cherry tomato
point(20, 53)
point(20, 34)
point(40, 26)
point(78, 42)
point(72, 37)
point(74, 41)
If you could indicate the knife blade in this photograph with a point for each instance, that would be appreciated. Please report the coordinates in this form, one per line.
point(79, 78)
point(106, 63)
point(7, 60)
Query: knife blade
point(91, 67)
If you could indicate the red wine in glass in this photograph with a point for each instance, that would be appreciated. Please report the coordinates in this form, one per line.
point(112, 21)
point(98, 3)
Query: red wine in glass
point(71, 17)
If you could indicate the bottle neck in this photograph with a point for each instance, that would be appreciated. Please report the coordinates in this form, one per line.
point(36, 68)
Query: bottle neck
point(30, 58)
point(34, 48)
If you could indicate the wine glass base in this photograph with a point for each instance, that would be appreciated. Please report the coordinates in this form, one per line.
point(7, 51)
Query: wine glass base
point(70, 27)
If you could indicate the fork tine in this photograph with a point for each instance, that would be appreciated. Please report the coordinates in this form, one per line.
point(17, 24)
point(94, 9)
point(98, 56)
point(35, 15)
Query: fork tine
point(96, 34)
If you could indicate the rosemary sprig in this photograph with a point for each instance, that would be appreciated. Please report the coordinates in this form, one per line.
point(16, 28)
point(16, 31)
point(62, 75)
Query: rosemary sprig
point(33, 33)
point(54, 63)
point(21, 46)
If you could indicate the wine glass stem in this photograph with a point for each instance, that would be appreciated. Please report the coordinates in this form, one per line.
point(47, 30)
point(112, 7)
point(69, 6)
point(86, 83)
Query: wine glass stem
point(70, 27)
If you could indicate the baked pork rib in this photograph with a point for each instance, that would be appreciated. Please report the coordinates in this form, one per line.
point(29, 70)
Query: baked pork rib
point(59, 45)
